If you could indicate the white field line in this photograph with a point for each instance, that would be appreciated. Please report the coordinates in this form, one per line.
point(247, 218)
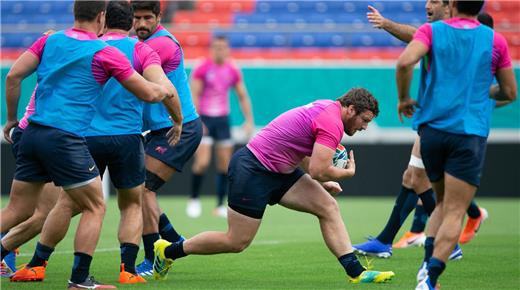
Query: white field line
point(104, 250)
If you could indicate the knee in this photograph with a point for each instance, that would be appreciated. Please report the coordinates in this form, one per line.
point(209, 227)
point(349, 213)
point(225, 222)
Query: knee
point(37, 220)
point(200, 167)
point(328, 208)
point(239, 245)
point(419, 181)
point(222, 168)
point(22, 212)
point(95, 207)
point(453, 211)
point(407, 178)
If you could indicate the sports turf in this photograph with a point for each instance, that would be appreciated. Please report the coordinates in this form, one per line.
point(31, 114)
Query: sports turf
point(288, 252)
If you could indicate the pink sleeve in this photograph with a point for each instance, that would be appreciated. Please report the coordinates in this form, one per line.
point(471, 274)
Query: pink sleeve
point(169, 52)
point(501, 57)
point(110, 62)
point(37, 47)
point(29, 110)
point(144, 56)
point(424, 35)
point(327, 132)
point(200, 71)
point(237, 76)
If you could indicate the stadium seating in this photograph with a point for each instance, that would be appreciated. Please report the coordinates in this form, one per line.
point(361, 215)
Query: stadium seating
point(268, 27)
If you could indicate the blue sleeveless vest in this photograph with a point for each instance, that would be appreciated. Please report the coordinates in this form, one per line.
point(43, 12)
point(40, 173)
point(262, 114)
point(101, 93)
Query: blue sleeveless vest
point(118, 112)
point(454, 93)
point(155, 116)
point(67, 90)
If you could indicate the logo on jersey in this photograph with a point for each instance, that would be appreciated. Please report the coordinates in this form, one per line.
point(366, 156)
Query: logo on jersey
point(161, 150)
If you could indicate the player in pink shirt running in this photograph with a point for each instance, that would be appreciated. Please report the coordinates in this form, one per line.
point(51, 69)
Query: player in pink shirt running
point(267, 172)
point(210, 85)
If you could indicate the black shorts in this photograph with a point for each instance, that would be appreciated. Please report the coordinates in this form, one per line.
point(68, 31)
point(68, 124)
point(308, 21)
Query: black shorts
point(217, 128)
point(16, 135)
point(123, 155)
point(461, 156)
point(252, 186)
point(156, 145)
point(48, 154)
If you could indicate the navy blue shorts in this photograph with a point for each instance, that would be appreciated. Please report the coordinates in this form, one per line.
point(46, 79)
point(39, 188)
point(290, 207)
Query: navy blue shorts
point(252, 187)
point(16, 135)
point(217, 128)
point(156, 145)
point(461, 156)
point(48, 154)
point(123, 155)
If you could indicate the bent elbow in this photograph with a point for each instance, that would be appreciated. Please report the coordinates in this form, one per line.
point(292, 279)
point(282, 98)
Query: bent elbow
point(513, 95)
point(12, 77)
point(402, 65)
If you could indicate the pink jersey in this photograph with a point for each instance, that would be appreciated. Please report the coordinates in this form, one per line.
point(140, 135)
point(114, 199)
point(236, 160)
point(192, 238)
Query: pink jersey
point(108, 62)
point(217, 79)
point(169, 51)
point(29, 110)
point(283, 143)
point(501, 57)
point(143, 56)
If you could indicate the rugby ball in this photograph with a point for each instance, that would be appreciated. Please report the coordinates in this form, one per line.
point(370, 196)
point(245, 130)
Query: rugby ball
point(340, 157)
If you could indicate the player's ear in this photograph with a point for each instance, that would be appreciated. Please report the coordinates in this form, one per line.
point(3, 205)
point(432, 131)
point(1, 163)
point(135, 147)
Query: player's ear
point(351, 111)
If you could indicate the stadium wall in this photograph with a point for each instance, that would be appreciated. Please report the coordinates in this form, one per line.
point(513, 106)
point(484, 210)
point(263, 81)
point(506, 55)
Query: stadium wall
point(379, 168)
point(382, 152)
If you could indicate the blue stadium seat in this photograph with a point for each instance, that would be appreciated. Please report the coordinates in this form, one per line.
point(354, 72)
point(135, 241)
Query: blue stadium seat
point(22, 40)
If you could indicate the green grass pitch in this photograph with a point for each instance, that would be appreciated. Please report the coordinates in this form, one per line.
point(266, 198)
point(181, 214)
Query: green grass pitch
point(288, 252)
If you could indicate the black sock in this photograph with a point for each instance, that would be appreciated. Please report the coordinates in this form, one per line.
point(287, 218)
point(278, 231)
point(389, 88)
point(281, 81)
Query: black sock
point(351, 265)
point(41, 255)
point(404, 204)
point(175, 251)
point(428, 248)
point(473, 210)
point(81, 267)
point(128, 256)
point(419, 220)
point(435, 269)
point(221, 187)
point(196, 183)
point(428, 201)
point(4, 251)
point(148, 241)
point(166, 229)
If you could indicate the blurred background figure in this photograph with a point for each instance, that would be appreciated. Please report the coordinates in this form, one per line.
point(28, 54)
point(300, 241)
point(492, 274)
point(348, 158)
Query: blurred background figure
point(211, 82)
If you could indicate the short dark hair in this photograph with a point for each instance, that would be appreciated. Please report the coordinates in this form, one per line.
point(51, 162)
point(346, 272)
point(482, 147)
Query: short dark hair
point(88, 10)
point(486, 19)
point(220, 37)
point(361, 99)
point(120, 15)
point(468, 7)
point(445, 2)
point(152, 5)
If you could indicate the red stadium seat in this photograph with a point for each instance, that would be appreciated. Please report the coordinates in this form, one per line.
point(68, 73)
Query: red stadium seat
point(209, 6)
point(193, 39)
point(210, 18)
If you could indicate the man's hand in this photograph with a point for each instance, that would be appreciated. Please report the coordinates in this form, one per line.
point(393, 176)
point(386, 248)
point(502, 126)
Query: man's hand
point(174, 134)
point(374, 17)
point(406, 107)
point(351, 164)
point(248, 129)
point(332, 187)
point(7, 129)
